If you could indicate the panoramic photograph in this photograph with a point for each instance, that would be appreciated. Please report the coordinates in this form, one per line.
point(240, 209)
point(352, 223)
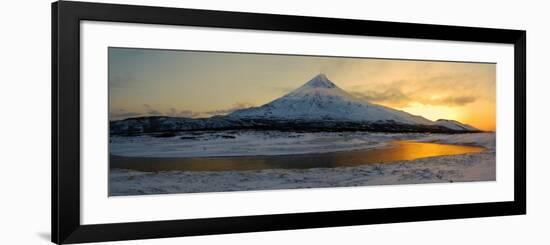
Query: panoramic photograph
point(185, 121)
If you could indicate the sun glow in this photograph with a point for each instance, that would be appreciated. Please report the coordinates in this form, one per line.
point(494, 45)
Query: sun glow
point(481, 115)
point(434, 112)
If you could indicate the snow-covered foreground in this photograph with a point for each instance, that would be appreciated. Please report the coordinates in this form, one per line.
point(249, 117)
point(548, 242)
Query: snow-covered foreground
point(456, 168)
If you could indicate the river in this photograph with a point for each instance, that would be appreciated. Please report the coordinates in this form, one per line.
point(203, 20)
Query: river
point(394, 151)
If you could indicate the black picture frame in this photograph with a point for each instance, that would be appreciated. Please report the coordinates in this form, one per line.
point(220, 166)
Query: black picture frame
point(65, 171)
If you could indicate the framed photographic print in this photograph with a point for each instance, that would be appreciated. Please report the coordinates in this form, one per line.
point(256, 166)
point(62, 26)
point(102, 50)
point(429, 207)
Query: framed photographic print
point(177, 122)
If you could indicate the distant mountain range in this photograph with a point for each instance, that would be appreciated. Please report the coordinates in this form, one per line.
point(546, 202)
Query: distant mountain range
point(318, 105)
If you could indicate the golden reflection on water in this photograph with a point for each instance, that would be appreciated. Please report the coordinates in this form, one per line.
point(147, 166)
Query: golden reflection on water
point(395, 151)
point(409, 150)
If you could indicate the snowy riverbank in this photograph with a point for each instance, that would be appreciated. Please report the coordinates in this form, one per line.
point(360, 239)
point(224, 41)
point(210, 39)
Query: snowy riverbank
point(464, 167)
point(250, 143)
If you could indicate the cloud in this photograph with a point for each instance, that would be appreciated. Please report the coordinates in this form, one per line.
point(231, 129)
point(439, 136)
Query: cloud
point(393, 96)
point(123, 115)
point(187, 113)
point(443, 89)
point(236, 106)
point(451, 100)
point(173, 112)
point(149, 111)
point(154, 113)
point(451, 83)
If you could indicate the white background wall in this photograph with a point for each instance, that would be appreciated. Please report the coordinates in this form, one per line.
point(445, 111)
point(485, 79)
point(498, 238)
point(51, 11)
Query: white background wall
point(25, 121)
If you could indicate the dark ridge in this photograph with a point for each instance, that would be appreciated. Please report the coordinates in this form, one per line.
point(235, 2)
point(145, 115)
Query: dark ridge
point(168, 126)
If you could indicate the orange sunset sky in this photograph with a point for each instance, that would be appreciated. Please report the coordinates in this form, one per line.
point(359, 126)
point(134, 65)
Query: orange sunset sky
point(202, 84)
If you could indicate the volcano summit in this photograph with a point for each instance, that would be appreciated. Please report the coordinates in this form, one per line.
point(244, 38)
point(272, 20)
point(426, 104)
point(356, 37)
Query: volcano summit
point(321, 100)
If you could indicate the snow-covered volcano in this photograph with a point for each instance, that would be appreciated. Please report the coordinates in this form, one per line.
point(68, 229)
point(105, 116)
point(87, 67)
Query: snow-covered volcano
point(321, 100)
point(318, 105)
